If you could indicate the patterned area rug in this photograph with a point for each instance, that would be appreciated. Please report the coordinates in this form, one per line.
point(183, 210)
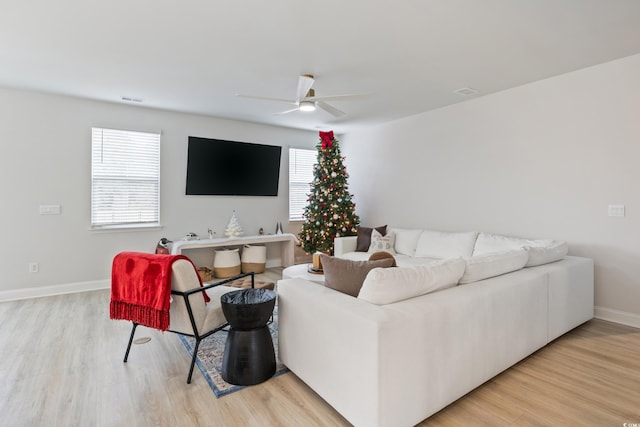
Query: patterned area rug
point(245, 283)
point(210, 354)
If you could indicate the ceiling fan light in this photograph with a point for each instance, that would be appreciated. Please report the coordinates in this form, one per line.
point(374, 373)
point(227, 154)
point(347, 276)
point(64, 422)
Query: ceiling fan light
point(307, 106)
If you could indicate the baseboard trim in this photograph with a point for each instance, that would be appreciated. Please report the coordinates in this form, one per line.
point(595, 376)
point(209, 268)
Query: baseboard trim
point(271, 263)
point(47, 291)
point(617, 316)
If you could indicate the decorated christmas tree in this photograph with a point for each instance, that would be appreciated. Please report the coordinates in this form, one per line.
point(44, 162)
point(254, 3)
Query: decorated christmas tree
point(330, 212)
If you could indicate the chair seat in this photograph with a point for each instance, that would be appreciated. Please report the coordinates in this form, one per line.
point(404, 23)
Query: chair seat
point(214, 316)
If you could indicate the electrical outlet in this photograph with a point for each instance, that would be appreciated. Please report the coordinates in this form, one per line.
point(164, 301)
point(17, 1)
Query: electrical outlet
point(33, 267)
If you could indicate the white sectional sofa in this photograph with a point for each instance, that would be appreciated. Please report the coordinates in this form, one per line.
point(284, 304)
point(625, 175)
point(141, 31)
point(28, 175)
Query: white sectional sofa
point(383, 363)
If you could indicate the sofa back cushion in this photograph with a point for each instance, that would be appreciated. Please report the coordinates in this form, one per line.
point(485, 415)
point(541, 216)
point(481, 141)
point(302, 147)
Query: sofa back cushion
point(546, 254)
point(493, 264)
point(345, 275)
point(487, 243)
point(541, 251)
point(406, 240)
point(441, 245)
point(389, 285)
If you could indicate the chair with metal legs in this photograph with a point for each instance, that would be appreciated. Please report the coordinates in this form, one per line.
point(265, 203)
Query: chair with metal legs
point(189, 315)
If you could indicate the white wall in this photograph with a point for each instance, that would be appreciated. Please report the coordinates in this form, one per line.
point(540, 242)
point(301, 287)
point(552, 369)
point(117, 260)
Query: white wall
point(45, 146)
point(540, 160)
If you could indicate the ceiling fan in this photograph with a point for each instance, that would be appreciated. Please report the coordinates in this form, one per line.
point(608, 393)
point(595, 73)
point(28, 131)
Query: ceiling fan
point(306, 99)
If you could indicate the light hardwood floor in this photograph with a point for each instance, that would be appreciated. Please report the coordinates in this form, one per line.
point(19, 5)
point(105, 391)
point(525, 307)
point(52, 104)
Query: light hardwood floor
point(61, 365)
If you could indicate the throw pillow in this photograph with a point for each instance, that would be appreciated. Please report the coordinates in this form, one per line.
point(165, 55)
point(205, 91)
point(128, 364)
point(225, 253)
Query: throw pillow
point(494, 264)
point(389, 285)
point(382, 255)
point(364, 237)
point(382, 243)
point(346, 276)
point(442, 245)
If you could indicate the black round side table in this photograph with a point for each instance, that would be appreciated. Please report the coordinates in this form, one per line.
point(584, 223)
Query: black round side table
point(249, 357)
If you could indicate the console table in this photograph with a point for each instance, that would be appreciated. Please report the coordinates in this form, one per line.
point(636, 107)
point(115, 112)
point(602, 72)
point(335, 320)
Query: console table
point(286, 243)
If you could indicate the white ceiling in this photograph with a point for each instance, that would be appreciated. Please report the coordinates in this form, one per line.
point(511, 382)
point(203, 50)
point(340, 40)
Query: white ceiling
point(195, 55)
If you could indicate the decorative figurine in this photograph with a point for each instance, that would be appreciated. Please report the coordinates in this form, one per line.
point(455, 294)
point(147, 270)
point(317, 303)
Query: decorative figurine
point(233, 228)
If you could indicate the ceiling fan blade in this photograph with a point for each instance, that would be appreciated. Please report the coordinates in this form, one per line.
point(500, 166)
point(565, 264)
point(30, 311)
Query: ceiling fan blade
point(338, 97)
point(285, 112)
point(330, 109)
point(305, 82)
point(265, 98)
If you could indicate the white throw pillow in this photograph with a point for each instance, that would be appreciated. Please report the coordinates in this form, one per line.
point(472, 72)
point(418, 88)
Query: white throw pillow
point(546, 254)
point(489, 243)
point(389, 285)
point(437, 244)
point(494, 264)
point(406, 240)
point(382, 243)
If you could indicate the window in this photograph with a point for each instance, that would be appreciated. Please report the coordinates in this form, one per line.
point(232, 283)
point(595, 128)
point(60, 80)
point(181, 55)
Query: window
point(125, 178)
point(301, 163)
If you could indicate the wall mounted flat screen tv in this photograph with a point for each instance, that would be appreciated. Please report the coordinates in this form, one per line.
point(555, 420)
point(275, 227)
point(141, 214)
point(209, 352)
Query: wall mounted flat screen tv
point(232, 168)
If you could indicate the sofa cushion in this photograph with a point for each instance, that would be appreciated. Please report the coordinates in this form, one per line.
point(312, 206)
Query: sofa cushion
point(389, 285)
point(346, 276)
point(493, 264)
point(441, 245)
point(406, 240)
point(364, 237)
point(409, 261)
point(382, 243)
point(546, 254)
point(487, 243)
point(401, 260)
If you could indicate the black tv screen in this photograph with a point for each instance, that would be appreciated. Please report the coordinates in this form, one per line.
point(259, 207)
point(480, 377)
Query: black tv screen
point(231, 168)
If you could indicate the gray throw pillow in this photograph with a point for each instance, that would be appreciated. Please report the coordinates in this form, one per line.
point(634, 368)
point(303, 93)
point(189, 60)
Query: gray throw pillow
point(347, 276)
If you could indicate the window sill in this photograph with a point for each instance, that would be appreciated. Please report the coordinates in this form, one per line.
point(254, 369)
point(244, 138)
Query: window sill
point(125, 228)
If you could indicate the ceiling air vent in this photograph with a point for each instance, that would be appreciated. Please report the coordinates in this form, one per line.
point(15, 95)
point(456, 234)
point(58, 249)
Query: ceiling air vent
point(129, 99)
point(465, 91)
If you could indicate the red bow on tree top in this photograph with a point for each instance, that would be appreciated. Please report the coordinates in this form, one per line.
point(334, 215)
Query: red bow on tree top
point(326, 138)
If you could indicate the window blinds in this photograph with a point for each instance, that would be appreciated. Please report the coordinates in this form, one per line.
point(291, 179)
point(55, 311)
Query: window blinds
point(125, 178)
point(301, 163)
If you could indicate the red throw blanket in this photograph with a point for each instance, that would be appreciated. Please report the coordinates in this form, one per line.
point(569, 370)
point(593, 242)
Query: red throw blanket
point(141, 288)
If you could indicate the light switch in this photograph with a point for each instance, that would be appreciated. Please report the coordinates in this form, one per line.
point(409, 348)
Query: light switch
point(49, 209)
point(616, 210)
